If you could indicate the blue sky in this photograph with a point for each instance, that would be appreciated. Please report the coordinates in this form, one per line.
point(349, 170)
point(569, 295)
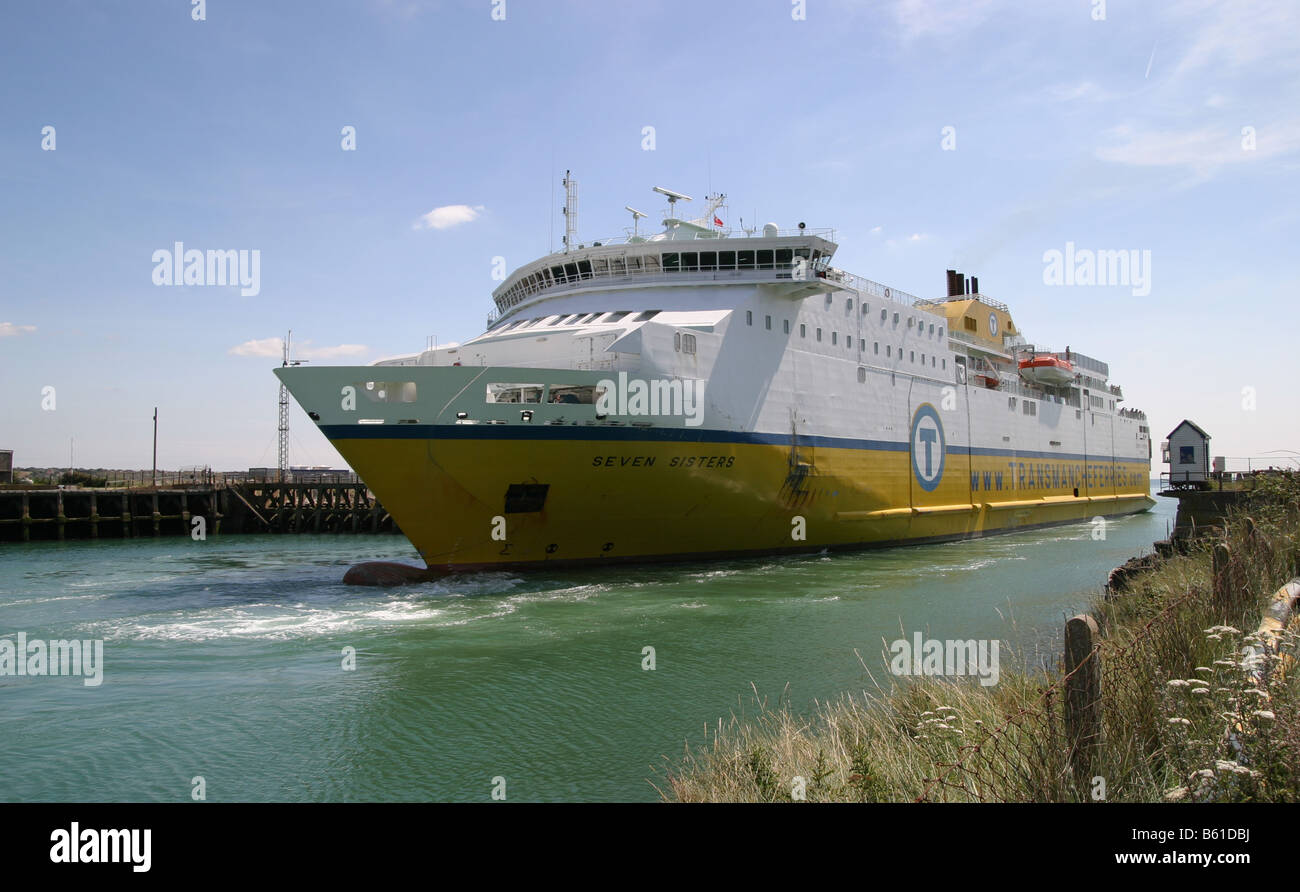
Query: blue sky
point(1117, 133)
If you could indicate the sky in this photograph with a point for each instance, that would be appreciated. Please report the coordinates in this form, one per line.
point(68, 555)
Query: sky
point(980, 135)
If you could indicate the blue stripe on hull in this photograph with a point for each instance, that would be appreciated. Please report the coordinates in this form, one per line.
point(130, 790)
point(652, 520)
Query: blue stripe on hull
point(653, 434)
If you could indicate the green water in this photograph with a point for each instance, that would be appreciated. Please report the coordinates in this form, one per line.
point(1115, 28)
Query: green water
point(223, 659)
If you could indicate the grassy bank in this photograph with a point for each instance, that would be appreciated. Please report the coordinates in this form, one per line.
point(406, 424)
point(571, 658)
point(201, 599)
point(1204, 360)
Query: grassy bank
point(1182, 718)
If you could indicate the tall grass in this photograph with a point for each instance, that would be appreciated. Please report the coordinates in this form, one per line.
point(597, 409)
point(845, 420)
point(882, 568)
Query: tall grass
point(1182, 717)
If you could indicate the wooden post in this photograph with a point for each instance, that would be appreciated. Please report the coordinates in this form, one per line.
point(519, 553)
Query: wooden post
point(1082, 695)
point(1222, 578)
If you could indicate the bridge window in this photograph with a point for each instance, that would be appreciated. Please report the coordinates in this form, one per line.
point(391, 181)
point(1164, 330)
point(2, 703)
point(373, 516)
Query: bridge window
point(709, 260)
point(672, 263)
point(688, 343)
point(745, 259)
point(726, 260)
point(764, 259)
point(784, 257)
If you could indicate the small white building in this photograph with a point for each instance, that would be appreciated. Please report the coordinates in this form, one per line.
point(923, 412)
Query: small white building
point(1187, 452)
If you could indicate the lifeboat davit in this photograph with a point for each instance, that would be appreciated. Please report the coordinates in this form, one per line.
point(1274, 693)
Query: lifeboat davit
point(1047, 369)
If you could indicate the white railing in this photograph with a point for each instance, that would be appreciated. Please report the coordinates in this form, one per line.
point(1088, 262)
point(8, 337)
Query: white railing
point(875, 289)
point(687, 235)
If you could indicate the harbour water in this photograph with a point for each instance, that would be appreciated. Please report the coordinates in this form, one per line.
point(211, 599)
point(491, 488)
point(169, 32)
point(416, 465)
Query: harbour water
point(223, 659)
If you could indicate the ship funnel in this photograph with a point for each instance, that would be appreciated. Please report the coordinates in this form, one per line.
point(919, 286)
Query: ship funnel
point(974, 285)
point(955, 286)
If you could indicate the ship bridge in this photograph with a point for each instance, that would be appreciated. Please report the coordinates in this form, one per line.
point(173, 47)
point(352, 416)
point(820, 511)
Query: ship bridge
point(775, 257)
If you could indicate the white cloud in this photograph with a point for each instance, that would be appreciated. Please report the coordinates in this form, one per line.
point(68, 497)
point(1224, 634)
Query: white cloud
point(1241, 34)
point(876, 230)
point(273, 348)
point(448, 216)
point(1201, 148)
point(9, 330)
point(920, 18)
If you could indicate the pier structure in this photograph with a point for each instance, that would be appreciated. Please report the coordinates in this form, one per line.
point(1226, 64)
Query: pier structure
point(45, 513)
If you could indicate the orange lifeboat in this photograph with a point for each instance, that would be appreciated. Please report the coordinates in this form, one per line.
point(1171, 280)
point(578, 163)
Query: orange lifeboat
point(1047, 369)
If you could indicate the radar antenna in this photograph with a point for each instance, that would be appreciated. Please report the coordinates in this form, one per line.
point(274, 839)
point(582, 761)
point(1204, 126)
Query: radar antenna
point(673, 198)
point(636, 217)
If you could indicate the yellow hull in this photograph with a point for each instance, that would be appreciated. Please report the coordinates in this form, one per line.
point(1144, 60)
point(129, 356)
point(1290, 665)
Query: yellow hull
point(627, 499)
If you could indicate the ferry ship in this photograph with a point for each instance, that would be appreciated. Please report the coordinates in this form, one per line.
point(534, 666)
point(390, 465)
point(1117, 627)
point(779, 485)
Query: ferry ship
point(704, 392)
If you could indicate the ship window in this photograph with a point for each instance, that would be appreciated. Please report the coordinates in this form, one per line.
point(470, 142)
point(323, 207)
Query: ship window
point(875, 347)
point(514, 393)
point(745, 259)
point(764, 259)
point(848, 341)
point(672, 262)
point(940, 331)
point(931, 362)
point(1011, 403)
point(944, 364)
point(690, 261)
point(884, 314)
point(749, 317)
point(862, 343)
point(862, 374)
point(688, 343)
point(648, 314)
point(889, 351)
point(634, 263)
point(726, 260)
point(931, 328)
point(571, 271)
point(556, 321)
point(767, 322)
point(677, 341)
point(865, 308)
point(895, 318)
point(848, 305)
point(803, 330)
point(909, 321)
point(969, 323)
point(819, 334)
point(911, 356)
point(614, 317)
point(786, 323)
point(922, 359)
point(584, 268)
point(616, 266)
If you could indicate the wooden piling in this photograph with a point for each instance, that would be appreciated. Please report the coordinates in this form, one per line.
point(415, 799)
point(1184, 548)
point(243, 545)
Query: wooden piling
point(1083, 695)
